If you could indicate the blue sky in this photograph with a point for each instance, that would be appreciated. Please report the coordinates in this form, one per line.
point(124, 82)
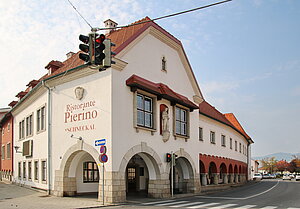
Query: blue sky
point(245, 53)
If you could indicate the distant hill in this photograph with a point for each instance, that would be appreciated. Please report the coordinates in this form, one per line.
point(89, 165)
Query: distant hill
point(279, 156)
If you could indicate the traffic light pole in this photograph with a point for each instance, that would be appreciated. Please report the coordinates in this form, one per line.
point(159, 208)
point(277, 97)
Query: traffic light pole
point(172, 178)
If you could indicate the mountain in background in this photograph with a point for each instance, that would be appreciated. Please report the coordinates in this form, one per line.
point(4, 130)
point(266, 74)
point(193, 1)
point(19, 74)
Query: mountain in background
point(279, 156)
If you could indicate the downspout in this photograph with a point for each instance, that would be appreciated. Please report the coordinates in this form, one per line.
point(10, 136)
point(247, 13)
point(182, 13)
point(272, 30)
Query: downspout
point(49, 160)
point(248, 161)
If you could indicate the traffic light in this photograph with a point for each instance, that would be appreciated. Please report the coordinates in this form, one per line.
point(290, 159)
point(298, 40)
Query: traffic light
point(99, 47)
point(86, 56)
point(107, 51)
point(174, 157)
point(168, 157)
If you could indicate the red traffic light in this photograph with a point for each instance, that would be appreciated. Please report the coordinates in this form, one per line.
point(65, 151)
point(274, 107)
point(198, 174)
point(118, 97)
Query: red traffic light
point(168, 157)
point(100, 38)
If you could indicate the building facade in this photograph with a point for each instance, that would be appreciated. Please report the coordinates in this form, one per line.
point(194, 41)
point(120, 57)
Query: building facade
point(146, 105)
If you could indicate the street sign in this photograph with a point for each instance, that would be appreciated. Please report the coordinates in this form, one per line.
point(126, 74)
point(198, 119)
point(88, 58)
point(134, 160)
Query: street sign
point(103, 158)
point(100, 142)
point(103, 149)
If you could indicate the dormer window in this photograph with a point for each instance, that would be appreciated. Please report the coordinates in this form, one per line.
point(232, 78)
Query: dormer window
point(163, 64)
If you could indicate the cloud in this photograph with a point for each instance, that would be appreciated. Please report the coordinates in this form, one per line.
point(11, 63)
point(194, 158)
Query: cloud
point(219, 87)
point(295, 91)
point(34, 32)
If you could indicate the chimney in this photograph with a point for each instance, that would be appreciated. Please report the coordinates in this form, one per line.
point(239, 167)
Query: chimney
point(70, 54)
point(110, 24)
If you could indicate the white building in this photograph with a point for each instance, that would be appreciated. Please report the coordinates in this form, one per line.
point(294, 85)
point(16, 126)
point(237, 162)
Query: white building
point(144, 106)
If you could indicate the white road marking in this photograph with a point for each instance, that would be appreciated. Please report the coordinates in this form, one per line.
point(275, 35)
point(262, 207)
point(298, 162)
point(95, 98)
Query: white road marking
point(170, 203)
point(186, 204)
point(269, 207)
point(149, 203)
point(204, 205)
point(293, 208)
point(223, 206)
point(246, 206)
point(241, 198)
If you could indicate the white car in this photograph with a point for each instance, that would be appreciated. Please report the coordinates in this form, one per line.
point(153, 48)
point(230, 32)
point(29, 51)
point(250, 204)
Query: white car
point(257, 176)
point(297, 177)
point(286, 177)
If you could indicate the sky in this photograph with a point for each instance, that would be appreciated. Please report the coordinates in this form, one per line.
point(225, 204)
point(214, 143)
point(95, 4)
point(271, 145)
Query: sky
point(245, 53)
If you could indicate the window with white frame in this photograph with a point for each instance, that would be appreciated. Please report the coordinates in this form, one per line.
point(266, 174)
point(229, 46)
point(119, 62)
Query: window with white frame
point(223, 140)
point(240, 147)
point(235, 143)
point(90, 172)
point(181, 120)
point(29, 127)
point(24, 170)
point(36, 170)
point(41, 119)
point(29, 170)
point(22, 129)
point(19, 170)
point(230, 143)
point(44, 170)
point(8, 152)
point(200, 134)
point(144, 111)
point(212, 137)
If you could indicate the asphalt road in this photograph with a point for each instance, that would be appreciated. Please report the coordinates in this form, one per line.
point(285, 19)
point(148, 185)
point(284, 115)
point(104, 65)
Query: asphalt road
point(267, 194)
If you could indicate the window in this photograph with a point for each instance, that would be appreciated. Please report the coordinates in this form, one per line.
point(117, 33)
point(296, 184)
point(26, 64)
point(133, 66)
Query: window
point(181, 121)
point(41, 119)
point(144, 111)
point(8, 127)
point(44, 170)
point(240, 148)
point(230, 143)
point(36, 170)
point(29, 170)
point(24, 170)
point(235, 143)
point(200, 134)
point(29, 127)
point(223, 140)
point(164, 64)
point(8, 151)
point(90, 172)
point(22, 129)
point(3, 152)
point(19, 170)
point(212, 137)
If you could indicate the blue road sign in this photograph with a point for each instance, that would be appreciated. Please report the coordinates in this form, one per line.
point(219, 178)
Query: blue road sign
point(100, 142)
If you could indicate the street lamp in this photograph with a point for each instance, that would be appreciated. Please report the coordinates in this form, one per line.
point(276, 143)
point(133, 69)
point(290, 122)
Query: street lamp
point(17, 148)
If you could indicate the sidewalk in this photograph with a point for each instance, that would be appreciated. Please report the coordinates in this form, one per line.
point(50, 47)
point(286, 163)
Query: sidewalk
point(13, 196)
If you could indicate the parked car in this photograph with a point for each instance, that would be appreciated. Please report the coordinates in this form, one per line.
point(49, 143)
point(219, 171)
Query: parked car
point(266, 176)
point(292, 176)
point(273, 176)
point(286, 177)
point(297, 177)
point(257, 176)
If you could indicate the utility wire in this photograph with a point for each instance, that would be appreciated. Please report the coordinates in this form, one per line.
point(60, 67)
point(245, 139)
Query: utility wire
point(80, 14)
point(166, 16)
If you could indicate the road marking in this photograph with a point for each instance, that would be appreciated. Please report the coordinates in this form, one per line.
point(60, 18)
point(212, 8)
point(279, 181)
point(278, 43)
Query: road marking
point(149, 203)
point(293, 208)
point(263, 191)
point(246, 206)
point(241, 198)
point(204, 205)
point(186, 204)
point(170, 203)
point(269, 207)
point(223, 206)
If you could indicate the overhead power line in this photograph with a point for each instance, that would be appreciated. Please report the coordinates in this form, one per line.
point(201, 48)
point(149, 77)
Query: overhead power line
point(166, 16)
point(79, 14)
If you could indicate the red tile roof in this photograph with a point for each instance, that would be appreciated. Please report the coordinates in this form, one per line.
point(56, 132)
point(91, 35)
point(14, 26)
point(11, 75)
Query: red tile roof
point(232, 119)
point(161, 90)
point(228, 119)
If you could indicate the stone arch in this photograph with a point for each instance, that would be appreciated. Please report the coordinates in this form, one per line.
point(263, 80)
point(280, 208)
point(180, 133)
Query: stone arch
point(150, 157)
point(235, 169)
point(65, 177)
